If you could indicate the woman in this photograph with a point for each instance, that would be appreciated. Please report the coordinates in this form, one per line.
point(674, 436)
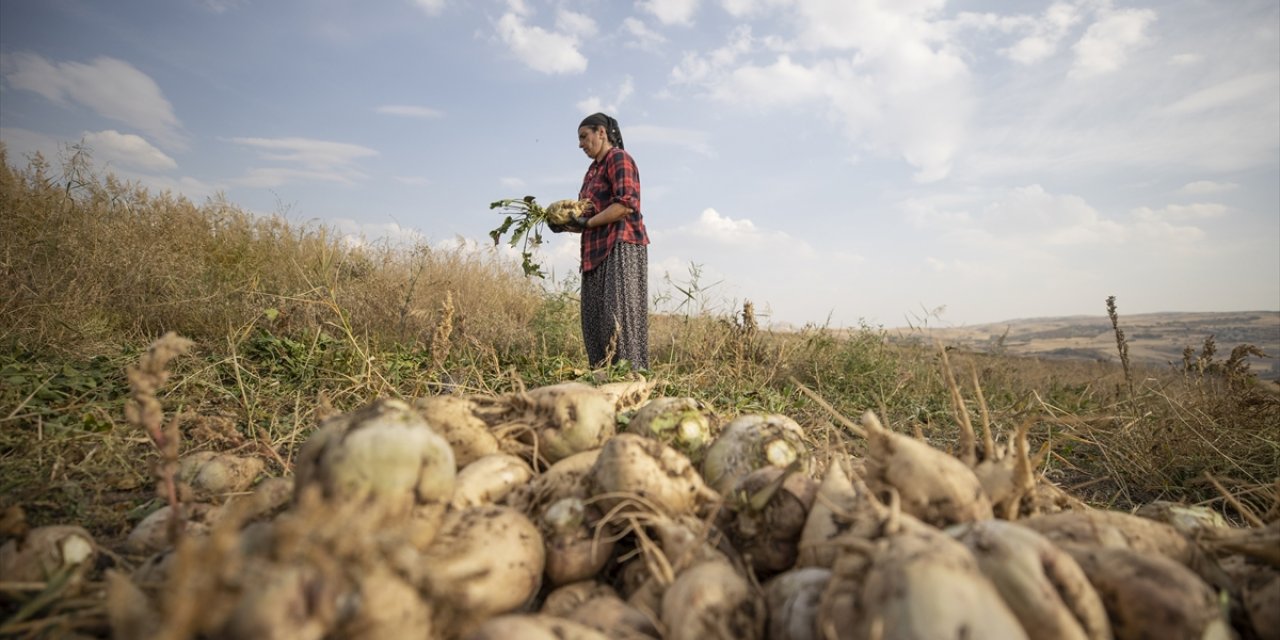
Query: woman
point(615, 257)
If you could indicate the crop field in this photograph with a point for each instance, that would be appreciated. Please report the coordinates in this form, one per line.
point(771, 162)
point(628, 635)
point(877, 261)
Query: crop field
point(1157, 339)
point(216, 425)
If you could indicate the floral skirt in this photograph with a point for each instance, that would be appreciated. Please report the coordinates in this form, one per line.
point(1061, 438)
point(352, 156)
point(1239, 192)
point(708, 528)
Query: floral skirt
point(615, 308)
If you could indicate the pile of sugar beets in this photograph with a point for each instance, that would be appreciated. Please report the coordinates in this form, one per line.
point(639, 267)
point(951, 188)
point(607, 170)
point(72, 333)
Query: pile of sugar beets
point(579, 511)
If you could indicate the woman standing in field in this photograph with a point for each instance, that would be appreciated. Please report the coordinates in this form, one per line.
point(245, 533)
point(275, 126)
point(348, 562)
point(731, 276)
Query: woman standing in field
point(615, 256)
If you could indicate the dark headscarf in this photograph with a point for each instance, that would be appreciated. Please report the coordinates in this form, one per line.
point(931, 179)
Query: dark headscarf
point(610, 127)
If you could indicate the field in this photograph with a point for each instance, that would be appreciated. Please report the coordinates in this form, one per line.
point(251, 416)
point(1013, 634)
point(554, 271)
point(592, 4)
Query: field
point(289, 325)
point(1156, 339)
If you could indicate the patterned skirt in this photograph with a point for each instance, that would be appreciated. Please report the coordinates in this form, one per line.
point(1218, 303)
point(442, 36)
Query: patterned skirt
point(615, 308)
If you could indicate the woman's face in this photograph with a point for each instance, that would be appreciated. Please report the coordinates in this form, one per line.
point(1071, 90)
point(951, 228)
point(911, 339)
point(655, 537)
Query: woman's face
point(592, 141)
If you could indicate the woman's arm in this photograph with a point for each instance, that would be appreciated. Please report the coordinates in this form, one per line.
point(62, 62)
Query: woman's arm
point(612, 213)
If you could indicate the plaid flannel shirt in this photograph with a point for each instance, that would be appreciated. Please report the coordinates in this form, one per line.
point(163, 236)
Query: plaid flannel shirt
point(614, 178)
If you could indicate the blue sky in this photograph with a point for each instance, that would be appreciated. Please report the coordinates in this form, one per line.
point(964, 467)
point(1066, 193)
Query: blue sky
point(830, 160)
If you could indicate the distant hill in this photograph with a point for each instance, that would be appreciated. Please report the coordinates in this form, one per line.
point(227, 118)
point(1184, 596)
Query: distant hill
point(1154, 338)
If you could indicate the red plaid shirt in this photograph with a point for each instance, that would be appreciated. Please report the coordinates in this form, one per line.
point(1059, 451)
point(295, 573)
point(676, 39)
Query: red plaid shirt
point(615, 178)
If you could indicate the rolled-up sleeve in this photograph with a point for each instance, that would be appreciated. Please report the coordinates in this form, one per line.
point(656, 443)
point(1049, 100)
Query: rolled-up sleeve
point(625, 179)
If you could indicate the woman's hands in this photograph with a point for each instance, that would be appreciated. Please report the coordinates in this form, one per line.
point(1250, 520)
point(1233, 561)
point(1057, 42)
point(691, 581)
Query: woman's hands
point(577, 223)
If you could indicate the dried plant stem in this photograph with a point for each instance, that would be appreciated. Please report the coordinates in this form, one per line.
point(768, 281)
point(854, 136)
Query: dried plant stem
point(444, 330)
point(1243, 510)
point(988, 441)
point(611, 350)
point(968, 455)
point(1273, 513)
point(145, 412)
point(265, 444)
point(1122, 345)
point(749, 323)
point(847, 423)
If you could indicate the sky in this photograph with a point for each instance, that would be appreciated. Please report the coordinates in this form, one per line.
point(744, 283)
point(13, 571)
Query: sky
point(835, 162)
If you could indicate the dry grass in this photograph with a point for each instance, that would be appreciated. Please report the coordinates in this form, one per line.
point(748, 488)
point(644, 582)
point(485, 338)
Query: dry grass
point(89, 262)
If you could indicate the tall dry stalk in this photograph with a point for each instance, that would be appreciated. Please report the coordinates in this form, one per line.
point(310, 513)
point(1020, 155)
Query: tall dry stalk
point(968, 453)
point(611, 350)
point(444, 329)
point(988, 440)
point(749, 323)
point(1121, 343)
point(145, 412)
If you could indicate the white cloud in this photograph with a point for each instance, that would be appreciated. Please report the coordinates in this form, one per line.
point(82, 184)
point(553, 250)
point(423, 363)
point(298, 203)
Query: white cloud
point(1032, 214)
point(363, 234)
point(696, 141)
point(1032, 49)
point(964, 270)
point(268, 177)
point(539, 49)
point(750, 8)
point(711, 223)
point(578, 25)
point(1156, 226)
point(129, 160)
point(20, 144)
point(642, 37)
point(431, 7)
point(878, 72)
point(562, 253)
point(1196, 211)
point(110, 87)
point(737, 258)
point(519, 8)
point(416, 181)
point(782, 83)
point(1107, 43)
point(558, 254)
point(669, 12)
point(739, 8)
point(712, 227)
point(1240, 91)
point(511, 183)
point(410, 111)
point(870, 27)
point(1052, 219)
point(1205, 187)
point(1028, 216)
point(1047, 33)
point(594, 104)
point(1027, 148)
point(695, 68)
point(936, 213)
point(314, 160)
point(220, 6)
point(308, 152)
point(127, 149)
point(1186, 59)
point(892, 106)
point(591, 105)
point(459, 244)
point(927, 99)
point(1226, 118)
point(907, 80)
point(193, 189)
